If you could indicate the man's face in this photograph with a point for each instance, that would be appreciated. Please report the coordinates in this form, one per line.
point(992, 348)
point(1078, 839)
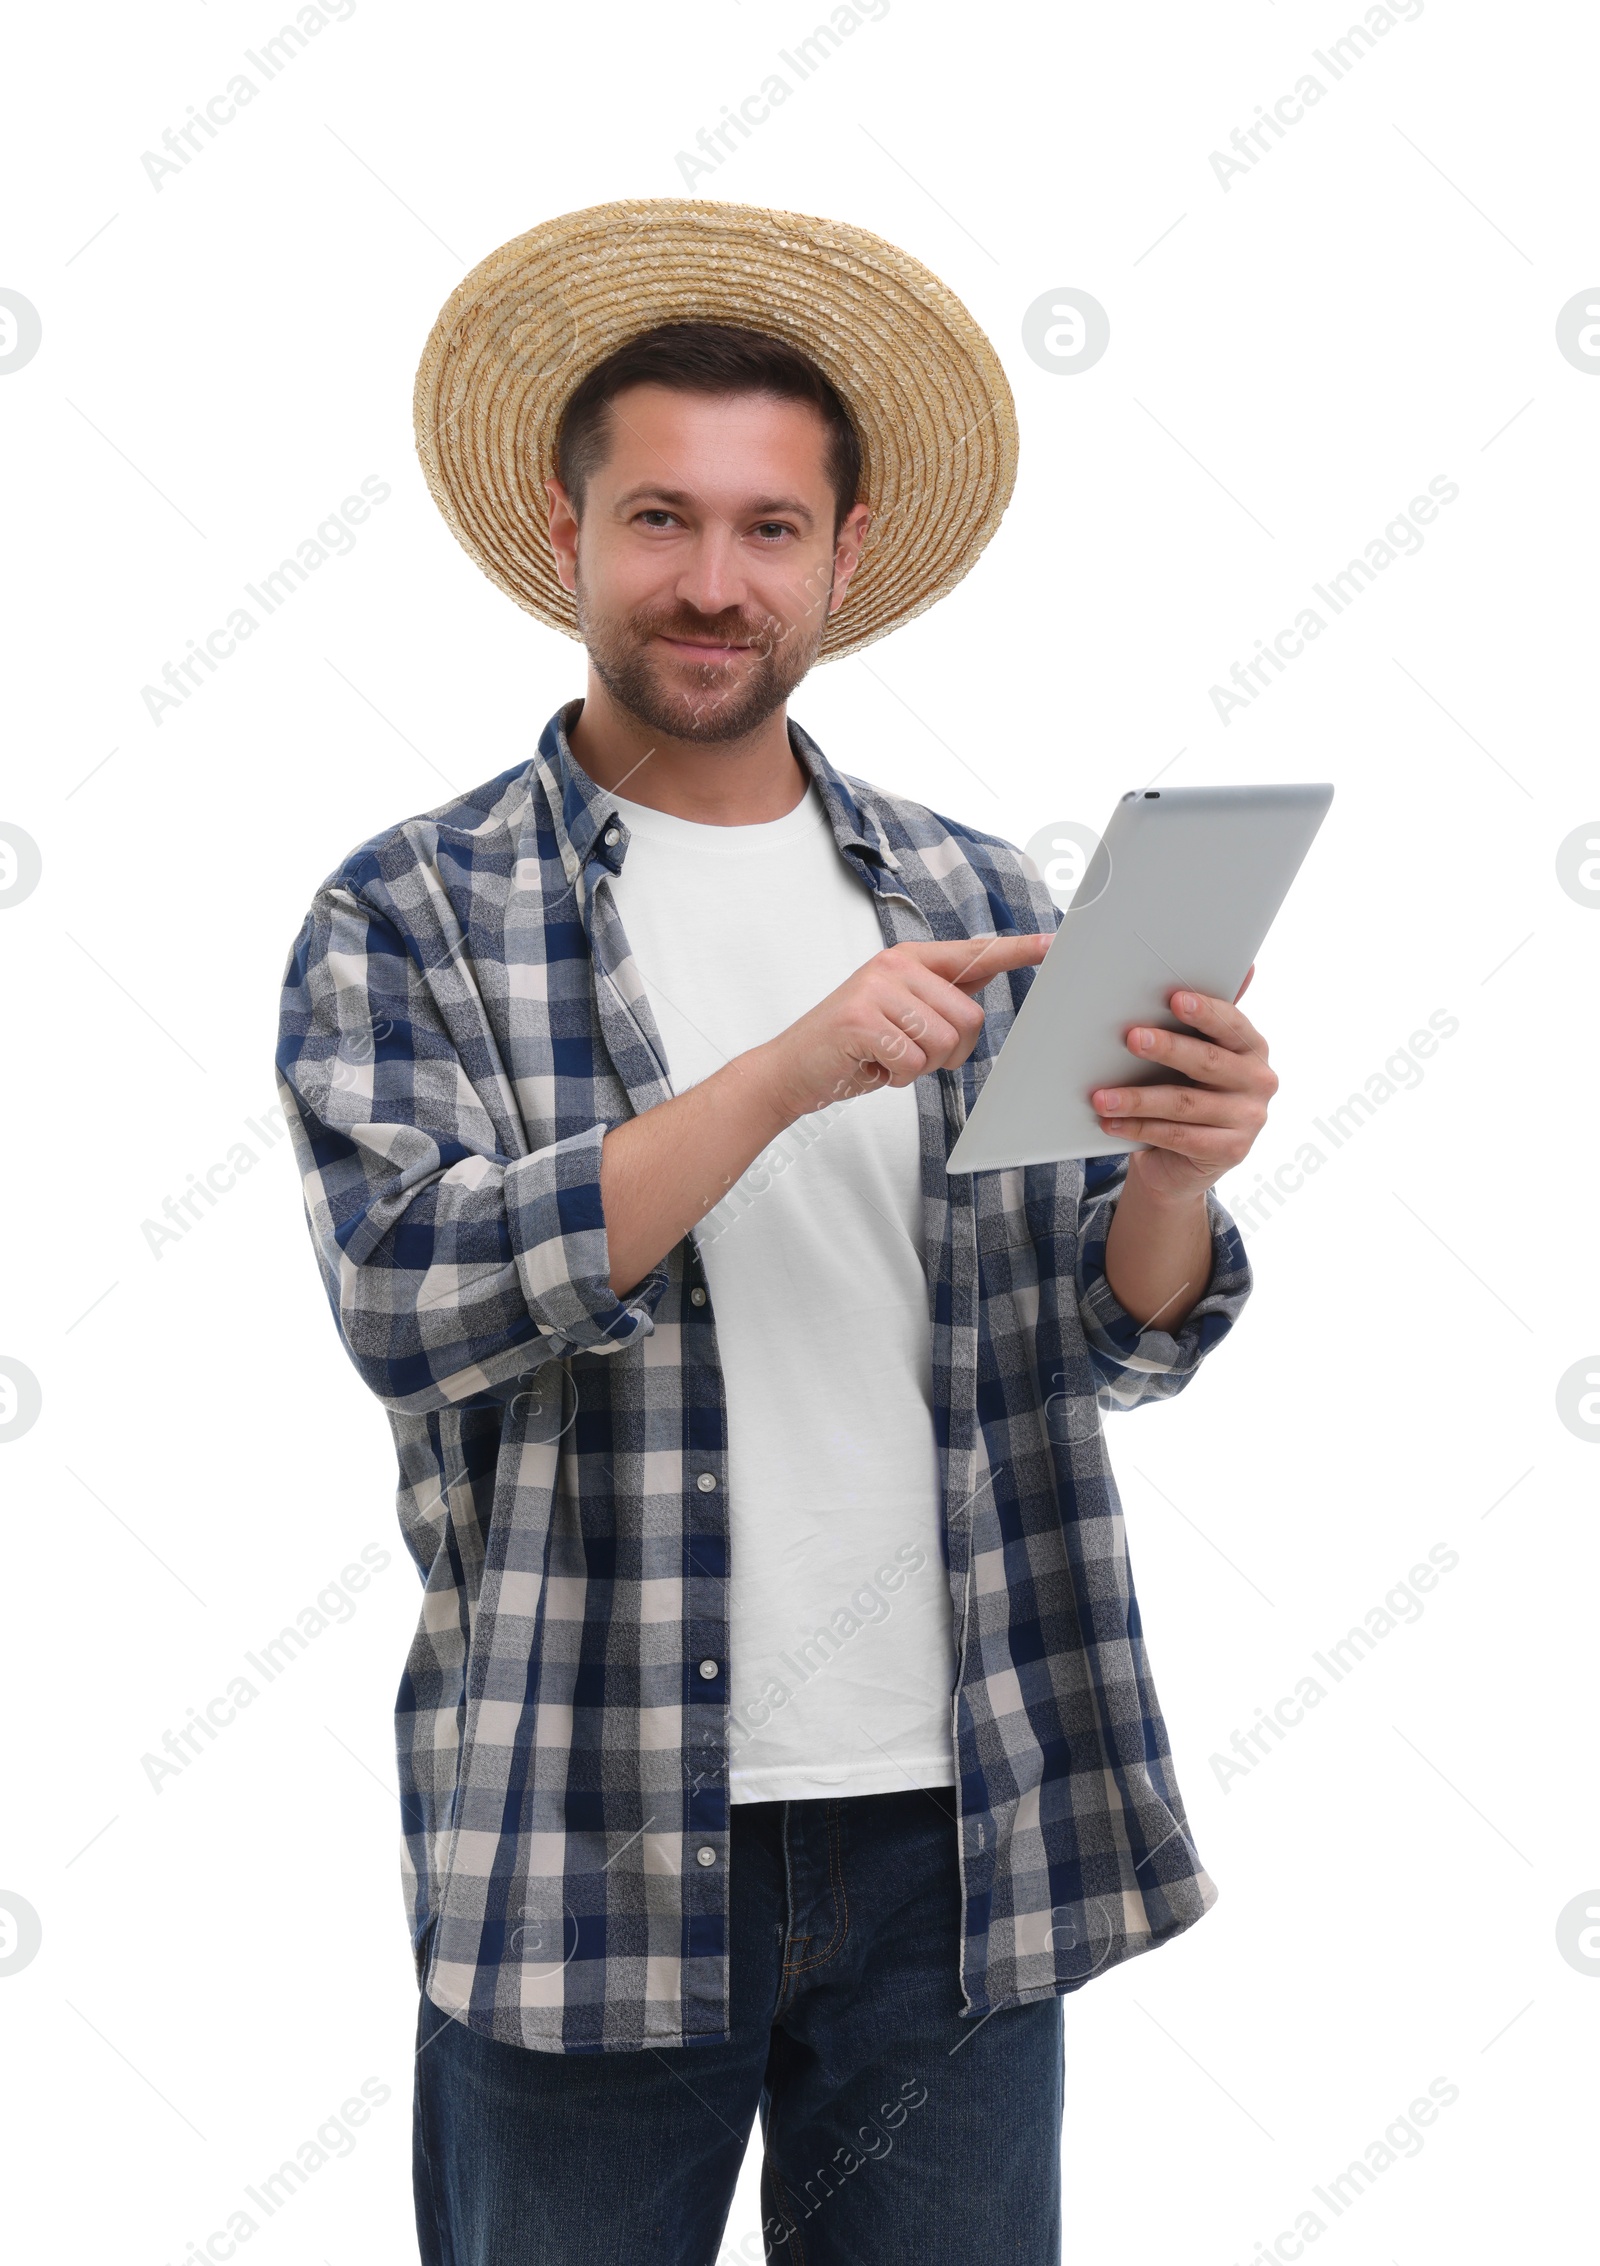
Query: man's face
point(706, 566)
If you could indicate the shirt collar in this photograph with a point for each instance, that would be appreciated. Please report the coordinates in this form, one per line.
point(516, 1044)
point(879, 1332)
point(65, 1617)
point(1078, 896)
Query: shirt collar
point(585, 813)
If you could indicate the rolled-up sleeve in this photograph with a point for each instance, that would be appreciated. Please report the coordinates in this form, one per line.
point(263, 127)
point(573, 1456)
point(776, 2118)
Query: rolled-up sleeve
point(1134, 1363)
point(454, 1261)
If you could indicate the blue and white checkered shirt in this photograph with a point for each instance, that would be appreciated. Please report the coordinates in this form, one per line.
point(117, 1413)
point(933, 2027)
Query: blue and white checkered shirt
point(462, 1022)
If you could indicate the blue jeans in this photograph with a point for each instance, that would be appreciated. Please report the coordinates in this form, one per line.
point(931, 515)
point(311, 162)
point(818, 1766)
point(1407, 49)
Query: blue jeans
point(896, 2133)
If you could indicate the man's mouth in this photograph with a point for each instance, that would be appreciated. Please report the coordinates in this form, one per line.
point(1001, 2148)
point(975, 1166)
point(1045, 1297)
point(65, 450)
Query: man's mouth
point(703, 649)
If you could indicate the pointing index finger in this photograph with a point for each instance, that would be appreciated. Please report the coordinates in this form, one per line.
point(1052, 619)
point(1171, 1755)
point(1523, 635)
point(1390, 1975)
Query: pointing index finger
point(973, 961)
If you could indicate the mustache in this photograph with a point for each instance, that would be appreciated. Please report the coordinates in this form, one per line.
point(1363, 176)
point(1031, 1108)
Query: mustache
point(759, 633)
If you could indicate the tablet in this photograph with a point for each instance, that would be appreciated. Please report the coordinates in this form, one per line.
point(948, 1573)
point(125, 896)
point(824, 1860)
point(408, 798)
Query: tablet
point(1182, 889)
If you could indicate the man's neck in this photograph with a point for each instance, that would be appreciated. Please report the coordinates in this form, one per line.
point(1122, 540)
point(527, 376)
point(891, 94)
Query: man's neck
point(744, 782)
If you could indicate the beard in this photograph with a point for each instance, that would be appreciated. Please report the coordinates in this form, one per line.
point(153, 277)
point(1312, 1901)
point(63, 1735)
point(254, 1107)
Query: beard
point(710, 703)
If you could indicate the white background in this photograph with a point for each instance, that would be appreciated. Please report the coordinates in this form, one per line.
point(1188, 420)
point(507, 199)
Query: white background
point(1292, 358)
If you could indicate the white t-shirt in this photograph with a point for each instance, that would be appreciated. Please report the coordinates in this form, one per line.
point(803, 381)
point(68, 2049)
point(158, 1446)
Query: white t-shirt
point(842, 1654)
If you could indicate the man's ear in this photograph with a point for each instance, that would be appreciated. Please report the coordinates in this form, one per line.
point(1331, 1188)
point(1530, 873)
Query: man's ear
point(563, 534)
point(847, 549)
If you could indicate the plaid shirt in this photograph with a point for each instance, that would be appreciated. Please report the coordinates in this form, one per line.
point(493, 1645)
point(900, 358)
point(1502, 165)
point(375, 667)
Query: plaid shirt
point(462, 1022)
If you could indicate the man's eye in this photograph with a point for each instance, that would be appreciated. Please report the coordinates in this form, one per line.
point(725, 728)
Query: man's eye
point(770, 528)
point(655, 517)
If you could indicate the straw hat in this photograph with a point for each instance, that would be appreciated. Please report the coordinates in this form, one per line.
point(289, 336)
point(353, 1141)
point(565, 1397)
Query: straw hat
point(922, 384)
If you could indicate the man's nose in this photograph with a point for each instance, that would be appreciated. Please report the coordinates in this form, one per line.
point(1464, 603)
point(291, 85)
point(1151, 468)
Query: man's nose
point(711, 578)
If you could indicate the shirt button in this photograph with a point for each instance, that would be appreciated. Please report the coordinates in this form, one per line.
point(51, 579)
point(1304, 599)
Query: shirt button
point(705, 1856)
point(612, 837)
point(708, 1669)
point(697, 1296)
point(706, 1481)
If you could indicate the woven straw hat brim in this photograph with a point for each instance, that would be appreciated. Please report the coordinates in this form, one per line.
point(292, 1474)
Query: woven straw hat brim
point(923, 385)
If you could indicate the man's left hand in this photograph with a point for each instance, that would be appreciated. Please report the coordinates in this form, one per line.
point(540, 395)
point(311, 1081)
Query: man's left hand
point(1198, 1132)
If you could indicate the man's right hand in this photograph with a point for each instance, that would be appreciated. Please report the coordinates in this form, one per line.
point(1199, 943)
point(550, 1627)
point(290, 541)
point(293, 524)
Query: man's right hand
point(908, 1011)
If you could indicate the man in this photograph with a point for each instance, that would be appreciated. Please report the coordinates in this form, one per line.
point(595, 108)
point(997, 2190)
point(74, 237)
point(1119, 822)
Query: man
point(778, 1734)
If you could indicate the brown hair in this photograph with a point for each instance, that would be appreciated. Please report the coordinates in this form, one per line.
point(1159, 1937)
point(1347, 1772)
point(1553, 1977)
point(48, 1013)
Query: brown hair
point(714, 358)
